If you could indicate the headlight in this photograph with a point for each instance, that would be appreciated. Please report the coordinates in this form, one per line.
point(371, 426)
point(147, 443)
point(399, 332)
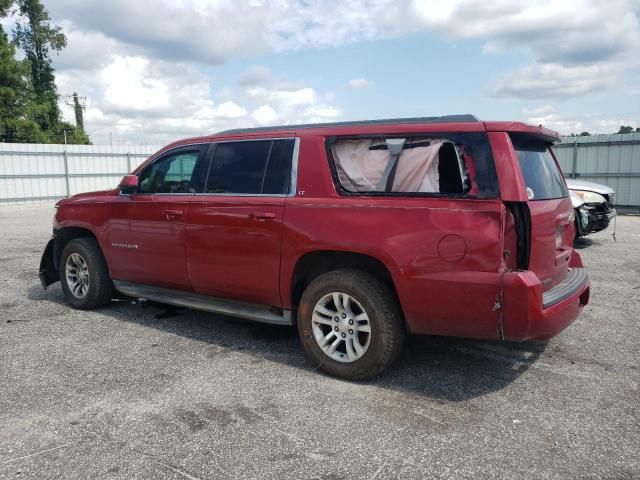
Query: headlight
point(590, 197)
point(584, 217)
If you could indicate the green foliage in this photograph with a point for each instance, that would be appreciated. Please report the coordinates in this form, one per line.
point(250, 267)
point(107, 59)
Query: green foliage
point(34, 34)
point(74, 135)
point(28, 96)
point(4, 7)
point(17, 120)
point(626, 129)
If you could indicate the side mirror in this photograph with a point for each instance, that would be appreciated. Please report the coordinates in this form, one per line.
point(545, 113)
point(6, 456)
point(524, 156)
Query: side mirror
point(128, 184)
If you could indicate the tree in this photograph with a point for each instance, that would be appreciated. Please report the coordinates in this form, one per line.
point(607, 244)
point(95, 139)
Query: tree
point(4, 8)
point(16, 95)
point(625, 129)
point(35, 35)
point(65, 132)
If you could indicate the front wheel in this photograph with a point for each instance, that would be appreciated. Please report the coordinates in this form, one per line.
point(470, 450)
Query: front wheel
point(84, 274)
point(350, 324)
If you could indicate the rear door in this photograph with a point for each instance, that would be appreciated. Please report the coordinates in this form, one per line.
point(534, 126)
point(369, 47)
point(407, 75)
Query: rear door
point(234, 229)
point(550, 209)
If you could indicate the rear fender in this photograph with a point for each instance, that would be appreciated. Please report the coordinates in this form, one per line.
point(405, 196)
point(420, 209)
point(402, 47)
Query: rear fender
point(576, 260)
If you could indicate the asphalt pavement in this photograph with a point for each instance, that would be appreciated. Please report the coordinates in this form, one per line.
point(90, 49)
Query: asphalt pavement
point(139, 391)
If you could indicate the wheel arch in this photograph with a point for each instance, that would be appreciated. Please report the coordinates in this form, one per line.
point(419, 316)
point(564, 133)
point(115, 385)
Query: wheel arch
point(312, 264)
point(65, 234)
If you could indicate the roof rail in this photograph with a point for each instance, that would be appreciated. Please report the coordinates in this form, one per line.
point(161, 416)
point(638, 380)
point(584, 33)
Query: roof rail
point(440, 119)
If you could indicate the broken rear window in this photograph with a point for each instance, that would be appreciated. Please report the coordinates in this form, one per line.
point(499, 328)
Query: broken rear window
point(422, 164)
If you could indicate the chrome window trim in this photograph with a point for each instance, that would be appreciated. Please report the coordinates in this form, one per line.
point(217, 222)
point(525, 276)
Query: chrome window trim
point(293, 188)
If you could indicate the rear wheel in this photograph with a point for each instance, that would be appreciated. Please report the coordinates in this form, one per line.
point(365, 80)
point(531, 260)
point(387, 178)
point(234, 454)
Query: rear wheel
point(84, 274)
point(350, 324)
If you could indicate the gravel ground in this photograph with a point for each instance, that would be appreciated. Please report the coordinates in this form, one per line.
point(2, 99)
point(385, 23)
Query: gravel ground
point(127, 392)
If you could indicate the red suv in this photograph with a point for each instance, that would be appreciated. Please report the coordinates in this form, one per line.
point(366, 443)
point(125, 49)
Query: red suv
point(356, 232)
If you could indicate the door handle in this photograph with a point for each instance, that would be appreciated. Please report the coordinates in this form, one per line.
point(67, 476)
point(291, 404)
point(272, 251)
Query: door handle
point(262, 215)
point(172, 214)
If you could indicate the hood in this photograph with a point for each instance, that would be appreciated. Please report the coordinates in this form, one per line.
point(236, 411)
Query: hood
point(574, 184)
point(576, 201)
point(86, 197)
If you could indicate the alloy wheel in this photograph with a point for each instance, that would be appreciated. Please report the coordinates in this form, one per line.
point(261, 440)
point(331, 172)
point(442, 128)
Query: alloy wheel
point(341, 327)
point(77, 275)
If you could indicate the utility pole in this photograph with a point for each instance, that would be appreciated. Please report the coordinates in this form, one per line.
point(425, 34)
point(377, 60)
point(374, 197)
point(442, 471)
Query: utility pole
point(78, 104)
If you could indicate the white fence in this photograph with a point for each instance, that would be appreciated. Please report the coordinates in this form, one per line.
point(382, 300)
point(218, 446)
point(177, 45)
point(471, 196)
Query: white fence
point(34, 172)
point(610, 159)
point(38, 172)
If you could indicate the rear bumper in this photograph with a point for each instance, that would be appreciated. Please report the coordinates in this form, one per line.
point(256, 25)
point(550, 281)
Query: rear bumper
point(530, 314)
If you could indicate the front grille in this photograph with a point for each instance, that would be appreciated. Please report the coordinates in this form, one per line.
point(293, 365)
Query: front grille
point(598, 216)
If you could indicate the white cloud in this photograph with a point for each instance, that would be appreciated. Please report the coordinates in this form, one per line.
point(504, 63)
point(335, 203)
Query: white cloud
point(85, 50)
point(264, 115)
point(230, 110)
point(141, 99)
point(254, 76)
point(141, 67)
point(549, 117)
point(555, 81)
point(128, 86)
point(360, 83)
point(322, 113)
point(206, 32)
point(293, 98)
point(578, 47)
point(283, 106)
point(284, 96)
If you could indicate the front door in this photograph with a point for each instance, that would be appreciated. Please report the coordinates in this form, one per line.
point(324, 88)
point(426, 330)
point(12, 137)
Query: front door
point(147, 228)
point(234, 229)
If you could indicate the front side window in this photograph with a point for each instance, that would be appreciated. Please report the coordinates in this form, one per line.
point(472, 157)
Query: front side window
point(442, 164)
point(541, 174)
point(171, 174)
point(260, 167)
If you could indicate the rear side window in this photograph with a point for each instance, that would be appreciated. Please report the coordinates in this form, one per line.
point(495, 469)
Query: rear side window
point(251, 167)
point(541, 174)
point(442, 164)
point(277, 178)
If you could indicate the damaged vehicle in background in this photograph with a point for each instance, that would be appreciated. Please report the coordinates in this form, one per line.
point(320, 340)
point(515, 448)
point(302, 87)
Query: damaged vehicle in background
point(593, 204)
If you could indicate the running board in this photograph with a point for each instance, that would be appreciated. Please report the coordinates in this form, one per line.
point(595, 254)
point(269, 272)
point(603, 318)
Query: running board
point(249, 311)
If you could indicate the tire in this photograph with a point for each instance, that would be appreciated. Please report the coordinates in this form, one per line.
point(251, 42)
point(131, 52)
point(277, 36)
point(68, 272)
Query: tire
point(378, 348)
point(86, 255)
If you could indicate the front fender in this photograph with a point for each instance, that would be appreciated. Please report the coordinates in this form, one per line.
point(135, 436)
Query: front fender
point(48, 273)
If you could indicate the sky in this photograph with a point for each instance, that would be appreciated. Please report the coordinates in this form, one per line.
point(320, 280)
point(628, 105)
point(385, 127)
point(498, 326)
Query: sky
point(153, 72)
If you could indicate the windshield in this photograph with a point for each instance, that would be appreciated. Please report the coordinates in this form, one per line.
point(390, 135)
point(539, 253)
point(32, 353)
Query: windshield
point(541, 174)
